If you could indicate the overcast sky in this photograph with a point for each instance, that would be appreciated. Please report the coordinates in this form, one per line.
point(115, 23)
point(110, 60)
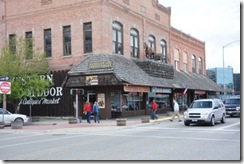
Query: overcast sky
point(217, 22)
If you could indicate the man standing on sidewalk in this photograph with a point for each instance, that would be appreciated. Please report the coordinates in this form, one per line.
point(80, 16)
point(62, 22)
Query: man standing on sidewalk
point(176, 111)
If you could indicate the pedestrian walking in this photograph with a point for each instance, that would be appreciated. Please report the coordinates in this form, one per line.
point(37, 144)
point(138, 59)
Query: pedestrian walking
point(95, 111)
point(176, 111)
point(154, 110)
point(87, 111)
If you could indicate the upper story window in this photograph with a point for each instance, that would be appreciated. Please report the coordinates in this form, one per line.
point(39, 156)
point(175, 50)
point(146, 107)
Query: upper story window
point(200, 65)
point(152, 43)
point(117, 38)
point(29, 45)
point(193, 63)
point(48, 42)
point(87, 27)
point(12, 43)
point(185, 58)
point(163, 49)
point(134, 43)
point(67, 40)
point(177, 58)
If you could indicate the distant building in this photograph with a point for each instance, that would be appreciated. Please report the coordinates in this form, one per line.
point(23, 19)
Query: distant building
point(223, 76)
point(237, 83)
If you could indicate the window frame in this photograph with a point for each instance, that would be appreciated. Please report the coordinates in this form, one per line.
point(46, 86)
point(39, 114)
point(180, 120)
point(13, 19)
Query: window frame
point(200, 65)
point(29, 45)
point(87, 31)
point(193, 63)
point(163, 46)
point(67, 41)
point(134, 46)
point(117, 38)
point(152, 42)
point(12, 43)
point(48, 44)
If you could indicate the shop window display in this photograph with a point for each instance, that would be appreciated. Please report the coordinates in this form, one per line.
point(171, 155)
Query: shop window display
point(127, 101)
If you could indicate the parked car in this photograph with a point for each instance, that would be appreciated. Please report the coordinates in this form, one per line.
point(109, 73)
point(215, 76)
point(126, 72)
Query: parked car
point(7, 117)
point(232, 105)
point(207, 111)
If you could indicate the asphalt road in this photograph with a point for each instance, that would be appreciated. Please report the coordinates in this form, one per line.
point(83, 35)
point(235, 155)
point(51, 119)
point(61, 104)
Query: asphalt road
point(163, 140)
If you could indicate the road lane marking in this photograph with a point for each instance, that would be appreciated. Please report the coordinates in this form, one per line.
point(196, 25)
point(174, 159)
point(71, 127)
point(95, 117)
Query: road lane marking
point(228, 126)
point(19, 137)
point(39, 141)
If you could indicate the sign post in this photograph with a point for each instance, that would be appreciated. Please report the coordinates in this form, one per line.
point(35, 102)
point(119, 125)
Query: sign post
point(5, 88)
point(77, 92)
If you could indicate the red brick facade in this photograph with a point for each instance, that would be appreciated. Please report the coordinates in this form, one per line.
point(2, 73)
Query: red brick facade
point(147, 16)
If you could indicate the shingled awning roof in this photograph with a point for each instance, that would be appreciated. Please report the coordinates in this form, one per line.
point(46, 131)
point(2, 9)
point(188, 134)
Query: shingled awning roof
point(127, 71)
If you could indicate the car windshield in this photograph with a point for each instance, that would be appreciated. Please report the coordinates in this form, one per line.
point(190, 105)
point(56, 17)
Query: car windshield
point(232, 101)
point(3, 111)
point(201, 104)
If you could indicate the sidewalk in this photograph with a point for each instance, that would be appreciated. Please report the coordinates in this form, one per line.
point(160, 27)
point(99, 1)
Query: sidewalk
point(54, 123)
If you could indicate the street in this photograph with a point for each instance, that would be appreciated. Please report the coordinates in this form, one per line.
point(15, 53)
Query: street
point(162, 140)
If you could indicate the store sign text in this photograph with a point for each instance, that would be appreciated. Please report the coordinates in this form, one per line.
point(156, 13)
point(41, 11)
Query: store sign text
point(50, 96)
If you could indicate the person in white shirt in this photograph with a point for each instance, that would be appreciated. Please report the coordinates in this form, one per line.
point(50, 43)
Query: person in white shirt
point(176, 111)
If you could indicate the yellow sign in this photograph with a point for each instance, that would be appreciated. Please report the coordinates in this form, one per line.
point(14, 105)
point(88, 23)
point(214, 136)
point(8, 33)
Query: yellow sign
point(100, 65)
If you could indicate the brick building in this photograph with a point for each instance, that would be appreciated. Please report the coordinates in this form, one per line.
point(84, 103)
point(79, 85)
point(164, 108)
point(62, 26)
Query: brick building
point(84, 39)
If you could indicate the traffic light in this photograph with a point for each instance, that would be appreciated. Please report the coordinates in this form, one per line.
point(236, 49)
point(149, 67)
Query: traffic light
point(77, 91)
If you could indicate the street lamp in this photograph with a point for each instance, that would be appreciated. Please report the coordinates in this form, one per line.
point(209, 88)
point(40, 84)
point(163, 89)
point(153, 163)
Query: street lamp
point(224, 65)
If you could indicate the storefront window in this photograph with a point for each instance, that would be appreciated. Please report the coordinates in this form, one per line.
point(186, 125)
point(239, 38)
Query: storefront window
point(115, 102)
point(163, 100)
point(131, 101)
point(126, 101)
point(182, 100)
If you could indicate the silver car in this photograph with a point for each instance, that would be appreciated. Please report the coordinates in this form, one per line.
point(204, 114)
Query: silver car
point(207, 111)
point(7, 117)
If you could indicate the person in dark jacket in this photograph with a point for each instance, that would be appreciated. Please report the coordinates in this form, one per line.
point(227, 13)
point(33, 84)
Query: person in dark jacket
point(87, 111)
point(95, 111)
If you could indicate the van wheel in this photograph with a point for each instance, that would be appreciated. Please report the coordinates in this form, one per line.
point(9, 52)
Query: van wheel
point(212, 121)
point(223, 120)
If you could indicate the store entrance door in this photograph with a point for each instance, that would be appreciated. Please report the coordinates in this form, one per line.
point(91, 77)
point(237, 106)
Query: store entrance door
point(91, 97)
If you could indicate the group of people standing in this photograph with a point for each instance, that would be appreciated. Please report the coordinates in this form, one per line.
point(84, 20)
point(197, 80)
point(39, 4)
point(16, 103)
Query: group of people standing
point(176, 109)
point(89, 109)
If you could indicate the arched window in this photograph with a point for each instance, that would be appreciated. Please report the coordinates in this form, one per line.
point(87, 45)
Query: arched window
point(134, 43)
point(152, 43)
point(185, 59)
point(117, 38)
point(200, 65)
point(193, 63)
point(177, 58)
point(163, 50)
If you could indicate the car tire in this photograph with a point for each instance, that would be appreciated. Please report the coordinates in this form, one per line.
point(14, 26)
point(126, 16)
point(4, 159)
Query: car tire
point(187, 123)
point(19, 119)
point(223, 120)
point(212, 121)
